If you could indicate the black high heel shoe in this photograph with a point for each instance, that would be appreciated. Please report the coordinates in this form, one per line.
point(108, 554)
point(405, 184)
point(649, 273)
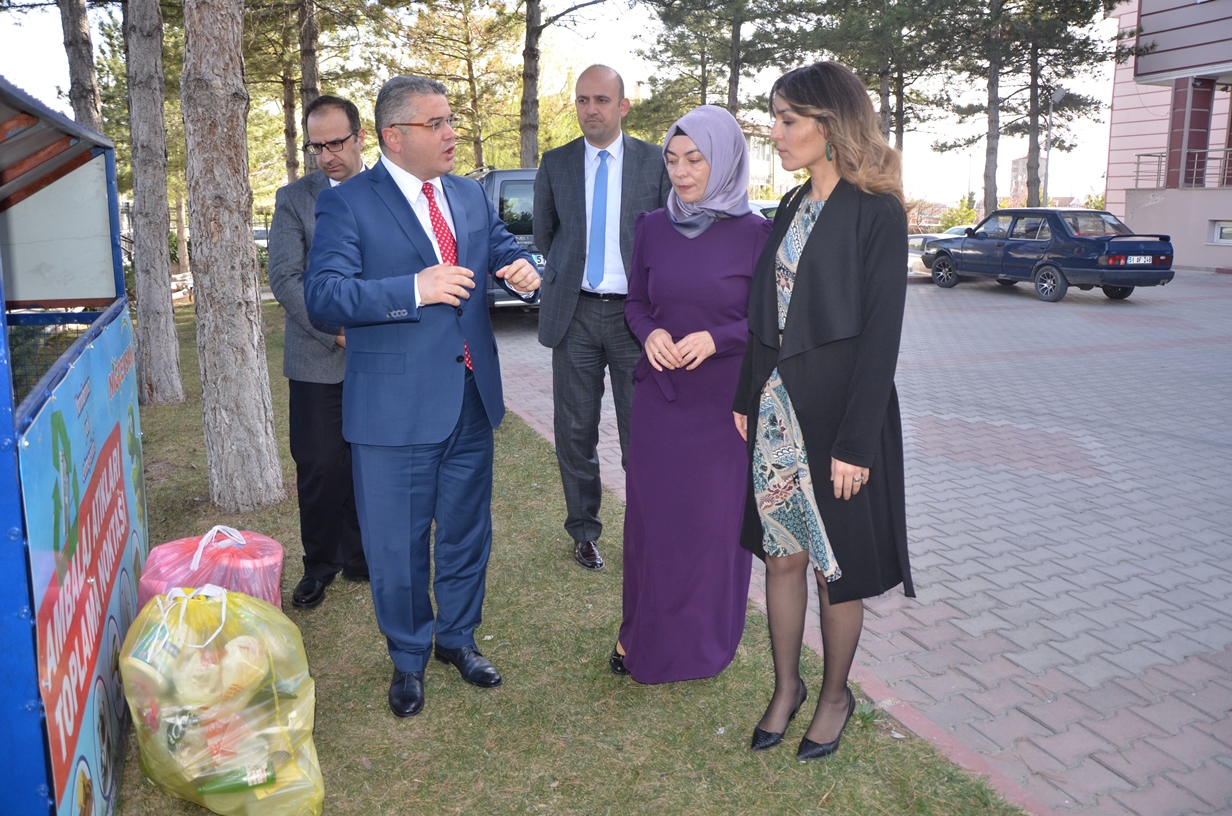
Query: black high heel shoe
point(768, 739)
point(616, 662)
point(817, 750)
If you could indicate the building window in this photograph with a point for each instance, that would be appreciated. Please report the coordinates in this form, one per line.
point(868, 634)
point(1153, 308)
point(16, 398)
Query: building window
point(1222, 232)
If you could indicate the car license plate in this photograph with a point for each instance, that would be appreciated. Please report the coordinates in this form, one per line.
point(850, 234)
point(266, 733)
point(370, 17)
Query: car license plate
point(1140, 259)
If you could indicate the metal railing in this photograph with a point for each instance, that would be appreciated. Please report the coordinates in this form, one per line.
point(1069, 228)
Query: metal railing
point(1201, 168)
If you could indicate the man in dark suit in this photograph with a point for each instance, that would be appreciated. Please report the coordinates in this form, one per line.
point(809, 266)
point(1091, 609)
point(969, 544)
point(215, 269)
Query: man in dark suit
point(314, 360)
point(397, 254)
point(588, 193)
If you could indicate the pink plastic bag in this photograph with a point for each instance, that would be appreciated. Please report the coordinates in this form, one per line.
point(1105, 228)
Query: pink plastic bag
point(245, 562)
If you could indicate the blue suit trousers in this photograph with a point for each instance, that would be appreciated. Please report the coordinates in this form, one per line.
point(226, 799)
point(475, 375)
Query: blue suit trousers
point(400, 491)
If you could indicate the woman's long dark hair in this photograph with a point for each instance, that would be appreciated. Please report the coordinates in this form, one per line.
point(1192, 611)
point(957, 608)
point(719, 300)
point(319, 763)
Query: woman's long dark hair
point(832, 95)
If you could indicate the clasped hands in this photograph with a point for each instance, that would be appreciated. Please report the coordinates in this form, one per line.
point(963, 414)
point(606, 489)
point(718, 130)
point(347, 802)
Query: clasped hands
point(451, 285)
point(687, 354)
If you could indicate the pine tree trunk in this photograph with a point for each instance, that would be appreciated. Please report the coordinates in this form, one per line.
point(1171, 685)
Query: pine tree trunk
point(181, 237)
point(472, 87)
point(158, 348)
point(900, 108)
point(240, 446)
point(528, 126)
point(993, 140)
point(733, 68)
point(290, 132)
point(82, 78)
point(1033, 116)
point(309, 65)
point(883, 94)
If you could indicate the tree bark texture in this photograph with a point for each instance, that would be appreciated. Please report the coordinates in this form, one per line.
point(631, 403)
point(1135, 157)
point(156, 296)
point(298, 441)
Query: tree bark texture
point(181, 238)
point(290, 132)
point(528, 129)
point(309, 65)
point(240, 446)
point(472, 95)
point(993, 141)
point(733, 68)
point(1033, 119)
point(900, 108)
point(82, 78)
point(158, 347)
point(883, 95)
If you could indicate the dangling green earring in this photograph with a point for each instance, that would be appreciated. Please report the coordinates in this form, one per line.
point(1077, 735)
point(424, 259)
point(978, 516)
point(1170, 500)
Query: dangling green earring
point(829, 152)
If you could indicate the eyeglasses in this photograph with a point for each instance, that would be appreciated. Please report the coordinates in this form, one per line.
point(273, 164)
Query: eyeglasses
point(335, 146)
point(453, 120)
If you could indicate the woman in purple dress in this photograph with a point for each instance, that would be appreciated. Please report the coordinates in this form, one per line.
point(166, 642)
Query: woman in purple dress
point(686, 578)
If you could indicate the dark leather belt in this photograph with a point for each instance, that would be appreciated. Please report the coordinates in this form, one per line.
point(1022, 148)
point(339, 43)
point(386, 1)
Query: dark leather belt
point(601, 295)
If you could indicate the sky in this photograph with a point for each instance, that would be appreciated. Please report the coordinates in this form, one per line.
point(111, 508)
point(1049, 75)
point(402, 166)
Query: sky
point(32, 57)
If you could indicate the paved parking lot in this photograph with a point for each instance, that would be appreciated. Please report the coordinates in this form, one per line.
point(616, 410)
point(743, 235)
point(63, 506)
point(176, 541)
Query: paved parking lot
point(1069, 498)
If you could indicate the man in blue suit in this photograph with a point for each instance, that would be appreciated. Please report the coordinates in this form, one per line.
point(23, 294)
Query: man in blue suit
point(398, 250)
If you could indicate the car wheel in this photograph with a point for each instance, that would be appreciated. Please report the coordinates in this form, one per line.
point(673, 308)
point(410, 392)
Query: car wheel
point(1118, 292)
point(1006, 282)
point(943, 272)
point(1050, 284)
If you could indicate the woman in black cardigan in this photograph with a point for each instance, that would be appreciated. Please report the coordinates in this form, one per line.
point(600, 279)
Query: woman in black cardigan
point(825, 316)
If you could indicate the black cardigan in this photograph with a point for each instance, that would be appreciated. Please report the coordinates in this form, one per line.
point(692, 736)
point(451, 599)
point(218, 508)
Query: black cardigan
point(837, 358)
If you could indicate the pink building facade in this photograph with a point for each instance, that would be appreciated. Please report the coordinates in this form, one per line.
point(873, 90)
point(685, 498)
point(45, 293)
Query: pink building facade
point(1170, 137)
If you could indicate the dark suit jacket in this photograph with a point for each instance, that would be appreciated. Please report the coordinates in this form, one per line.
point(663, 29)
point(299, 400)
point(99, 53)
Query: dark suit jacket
point(404, 372)
point(560, 221)
point(837, 357)
point(309, 353)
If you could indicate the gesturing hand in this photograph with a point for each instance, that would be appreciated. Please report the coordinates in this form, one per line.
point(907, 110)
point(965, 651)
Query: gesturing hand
point(694, 348)
point(520, 274)
point(661, 351)
point(445, 284)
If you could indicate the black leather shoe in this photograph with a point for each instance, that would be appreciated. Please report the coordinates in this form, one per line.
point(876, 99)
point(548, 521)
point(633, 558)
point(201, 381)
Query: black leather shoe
point(406, 693)
point(818, 750)
point(309, 592)
point(586, 553)
point(474, 667)
point(617, 663)
point(768, 739)
point(356, 577)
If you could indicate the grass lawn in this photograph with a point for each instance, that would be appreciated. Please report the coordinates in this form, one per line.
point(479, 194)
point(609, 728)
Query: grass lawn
point(562, 735)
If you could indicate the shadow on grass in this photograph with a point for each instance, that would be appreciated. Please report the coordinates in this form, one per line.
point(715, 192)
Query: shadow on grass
point(562, 735)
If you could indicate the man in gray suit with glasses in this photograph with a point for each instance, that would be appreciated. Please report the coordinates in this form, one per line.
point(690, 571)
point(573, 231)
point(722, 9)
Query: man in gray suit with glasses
point(588, 193)
point(314, 360)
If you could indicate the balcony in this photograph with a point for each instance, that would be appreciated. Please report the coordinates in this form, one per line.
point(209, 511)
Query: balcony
point(1201, 168)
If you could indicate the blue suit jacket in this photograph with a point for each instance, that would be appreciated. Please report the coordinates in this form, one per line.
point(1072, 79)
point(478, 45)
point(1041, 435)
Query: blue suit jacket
point(404, 369)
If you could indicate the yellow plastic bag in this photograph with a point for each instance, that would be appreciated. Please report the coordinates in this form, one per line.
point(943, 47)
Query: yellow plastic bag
point(223, 705)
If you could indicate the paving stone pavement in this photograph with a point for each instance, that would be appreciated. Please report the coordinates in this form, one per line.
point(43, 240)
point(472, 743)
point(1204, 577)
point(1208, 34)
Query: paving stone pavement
point(1069, 500)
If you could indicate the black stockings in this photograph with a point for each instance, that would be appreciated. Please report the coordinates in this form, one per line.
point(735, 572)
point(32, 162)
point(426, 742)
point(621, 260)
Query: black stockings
point(786, 604)
point(841, 624)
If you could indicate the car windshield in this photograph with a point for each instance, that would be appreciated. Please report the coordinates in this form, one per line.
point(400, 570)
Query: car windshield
point(1094, 224)
point(517, 202)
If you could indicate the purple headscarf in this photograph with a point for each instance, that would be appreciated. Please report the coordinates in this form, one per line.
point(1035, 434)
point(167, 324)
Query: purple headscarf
point(717, 135)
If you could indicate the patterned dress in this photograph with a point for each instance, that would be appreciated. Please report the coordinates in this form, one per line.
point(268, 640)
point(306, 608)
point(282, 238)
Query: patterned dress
point(782, 478)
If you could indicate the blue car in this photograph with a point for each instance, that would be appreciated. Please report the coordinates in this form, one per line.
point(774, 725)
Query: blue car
point(1053, 249)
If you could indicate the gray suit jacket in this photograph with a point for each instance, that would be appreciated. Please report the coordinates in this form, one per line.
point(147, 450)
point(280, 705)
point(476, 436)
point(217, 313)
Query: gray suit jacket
point(560, 221)
point(309, 353)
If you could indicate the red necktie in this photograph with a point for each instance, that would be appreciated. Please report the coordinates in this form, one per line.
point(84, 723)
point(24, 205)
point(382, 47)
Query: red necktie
point(445, 240)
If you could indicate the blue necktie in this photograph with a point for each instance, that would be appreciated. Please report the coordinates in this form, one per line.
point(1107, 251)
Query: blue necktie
point(598, 224)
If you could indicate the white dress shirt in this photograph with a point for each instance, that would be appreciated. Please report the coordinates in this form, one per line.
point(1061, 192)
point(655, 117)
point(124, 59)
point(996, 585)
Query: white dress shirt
point(614, 279)
point(412, 190)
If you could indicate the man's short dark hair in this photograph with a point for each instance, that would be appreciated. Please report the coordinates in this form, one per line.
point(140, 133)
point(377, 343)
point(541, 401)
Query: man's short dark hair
point(337, 102)
point(393, 103)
